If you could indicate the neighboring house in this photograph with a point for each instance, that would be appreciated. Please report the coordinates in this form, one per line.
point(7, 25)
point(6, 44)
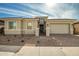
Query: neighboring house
point(1, 27)
point(38, 26)
point(76, 28)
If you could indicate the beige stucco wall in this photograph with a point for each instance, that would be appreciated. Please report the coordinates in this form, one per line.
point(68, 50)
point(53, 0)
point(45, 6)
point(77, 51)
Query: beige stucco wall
point(34, 26)
point(21, 29)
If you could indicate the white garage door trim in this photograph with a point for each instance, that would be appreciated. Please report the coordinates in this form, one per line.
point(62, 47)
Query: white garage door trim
point(56, 28)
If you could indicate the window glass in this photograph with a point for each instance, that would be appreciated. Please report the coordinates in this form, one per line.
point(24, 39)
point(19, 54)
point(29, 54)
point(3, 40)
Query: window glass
point(12, 25)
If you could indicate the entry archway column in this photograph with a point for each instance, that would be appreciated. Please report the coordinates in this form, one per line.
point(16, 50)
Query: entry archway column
point(37, 32)
point(47, 31)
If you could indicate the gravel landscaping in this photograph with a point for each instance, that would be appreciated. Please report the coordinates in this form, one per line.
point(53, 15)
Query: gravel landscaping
point(53, 40)
point(12, 43)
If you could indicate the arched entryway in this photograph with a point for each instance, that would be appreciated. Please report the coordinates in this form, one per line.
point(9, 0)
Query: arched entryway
point(42, 26)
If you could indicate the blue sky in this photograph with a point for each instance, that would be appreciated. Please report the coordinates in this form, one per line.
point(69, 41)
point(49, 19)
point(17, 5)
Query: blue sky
point(58, 10)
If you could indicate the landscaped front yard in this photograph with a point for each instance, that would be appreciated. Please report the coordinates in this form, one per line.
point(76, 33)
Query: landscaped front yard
point(53, 40)
point(10, 43)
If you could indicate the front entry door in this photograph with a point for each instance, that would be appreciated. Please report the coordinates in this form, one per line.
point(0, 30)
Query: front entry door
point(42, 29)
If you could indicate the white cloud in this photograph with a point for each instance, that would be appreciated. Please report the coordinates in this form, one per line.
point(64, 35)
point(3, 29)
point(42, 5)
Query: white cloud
point(68, 14)
point(43, 9)
point(15, 12)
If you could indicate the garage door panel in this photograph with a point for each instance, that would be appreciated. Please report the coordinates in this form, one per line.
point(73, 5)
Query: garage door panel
point(59, 28)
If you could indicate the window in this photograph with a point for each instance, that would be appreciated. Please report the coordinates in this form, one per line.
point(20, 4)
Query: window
point(12, 25)
point(29, 25)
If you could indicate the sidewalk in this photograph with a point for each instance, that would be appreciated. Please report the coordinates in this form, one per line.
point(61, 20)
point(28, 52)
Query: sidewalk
point(49, 51)
point(40, 51)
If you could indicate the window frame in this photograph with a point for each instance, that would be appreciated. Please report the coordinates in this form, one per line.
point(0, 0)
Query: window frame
point(13, 25)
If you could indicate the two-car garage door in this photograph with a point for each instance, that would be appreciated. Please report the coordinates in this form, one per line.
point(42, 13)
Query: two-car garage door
point(59, 28)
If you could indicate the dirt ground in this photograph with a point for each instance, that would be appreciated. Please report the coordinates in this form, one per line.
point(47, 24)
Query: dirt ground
point(53, 40)
point(15, 43)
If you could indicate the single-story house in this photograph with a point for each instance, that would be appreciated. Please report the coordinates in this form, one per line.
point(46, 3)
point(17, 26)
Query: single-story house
point(38, 26)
